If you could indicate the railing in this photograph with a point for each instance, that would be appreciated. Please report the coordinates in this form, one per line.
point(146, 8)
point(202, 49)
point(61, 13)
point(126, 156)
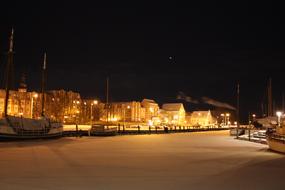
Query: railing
point(277, 137)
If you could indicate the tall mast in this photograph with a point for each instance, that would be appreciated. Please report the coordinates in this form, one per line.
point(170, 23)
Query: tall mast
point(269, 96)
point(237, 109)
point(43, 84)
point(283, 102)
point(107, 91)
point(107, 97)
point(8, 72)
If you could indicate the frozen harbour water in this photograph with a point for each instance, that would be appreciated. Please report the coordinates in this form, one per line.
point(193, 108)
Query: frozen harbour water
point(206, 160)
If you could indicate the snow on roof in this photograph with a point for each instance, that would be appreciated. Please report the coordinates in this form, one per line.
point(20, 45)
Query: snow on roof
point(268, 121)
point(172, 106)
point(148, 100)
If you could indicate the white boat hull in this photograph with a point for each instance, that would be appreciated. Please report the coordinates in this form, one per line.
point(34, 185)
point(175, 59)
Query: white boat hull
point(25, 128)
point(275, 144)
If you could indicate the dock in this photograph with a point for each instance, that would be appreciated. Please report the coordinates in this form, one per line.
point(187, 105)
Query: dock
point(83, 130)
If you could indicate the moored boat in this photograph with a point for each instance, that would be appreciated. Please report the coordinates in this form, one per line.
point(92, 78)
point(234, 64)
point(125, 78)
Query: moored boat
point(276, 142)
point(103, 130)
point(276, 136)
point(15, 127)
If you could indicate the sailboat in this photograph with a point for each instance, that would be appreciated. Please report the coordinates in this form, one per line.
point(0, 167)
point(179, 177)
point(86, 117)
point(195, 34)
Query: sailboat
point(14, 127)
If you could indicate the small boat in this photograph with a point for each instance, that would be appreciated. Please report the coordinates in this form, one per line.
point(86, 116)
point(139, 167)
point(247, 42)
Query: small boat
point(14, 127)
point(234, 131)
point(276, 142)
point(276, 139)
point(103, 130)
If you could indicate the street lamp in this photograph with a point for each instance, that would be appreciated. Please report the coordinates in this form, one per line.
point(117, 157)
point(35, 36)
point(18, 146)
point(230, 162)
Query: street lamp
point(227, 120)
point(223, 118)
point(253, 118)
point(95, 102)
point(279, 114)
point(128, 107)
point(32, 104)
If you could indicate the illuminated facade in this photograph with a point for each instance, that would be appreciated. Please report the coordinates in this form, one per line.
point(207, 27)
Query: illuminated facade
point(124, 111)
point(173, 113)
point(59, 104)
point(19, 104)
point(63, 105)
point(201, 118)
point(151, 109)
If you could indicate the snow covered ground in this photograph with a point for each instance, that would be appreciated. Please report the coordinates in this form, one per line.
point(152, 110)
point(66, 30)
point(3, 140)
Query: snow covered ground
point(206, 160)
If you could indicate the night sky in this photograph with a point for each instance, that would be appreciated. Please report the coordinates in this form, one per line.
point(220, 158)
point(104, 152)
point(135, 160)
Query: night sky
point(150, 50)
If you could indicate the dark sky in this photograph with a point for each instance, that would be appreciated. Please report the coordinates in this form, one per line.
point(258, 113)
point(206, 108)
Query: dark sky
point(212, 45)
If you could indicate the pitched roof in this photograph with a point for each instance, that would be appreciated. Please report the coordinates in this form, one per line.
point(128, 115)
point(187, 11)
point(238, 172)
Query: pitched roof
point(148, 100)
point(172, 106)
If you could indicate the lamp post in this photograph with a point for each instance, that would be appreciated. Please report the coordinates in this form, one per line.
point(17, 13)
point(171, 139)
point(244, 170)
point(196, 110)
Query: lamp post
point(95, 102)
point(227, 118)
point(77, 110)
point(223, 119)
point(279, 114)
point(32, 104)
point(253, 117)
point(128, 107)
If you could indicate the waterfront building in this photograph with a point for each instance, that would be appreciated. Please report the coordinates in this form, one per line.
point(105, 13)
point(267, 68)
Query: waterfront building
point(151, 109)
point(174, 113)
point(202, 118)
point(124, 112)
point(60, 105)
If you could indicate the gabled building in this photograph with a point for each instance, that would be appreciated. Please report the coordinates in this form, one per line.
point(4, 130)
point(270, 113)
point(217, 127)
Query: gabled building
point(202, 118)
point(151, 109)
point(174, 113)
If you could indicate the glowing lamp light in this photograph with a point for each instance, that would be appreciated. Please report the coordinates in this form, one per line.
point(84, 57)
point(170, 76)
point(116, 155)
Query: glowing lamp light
point(278, 113)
